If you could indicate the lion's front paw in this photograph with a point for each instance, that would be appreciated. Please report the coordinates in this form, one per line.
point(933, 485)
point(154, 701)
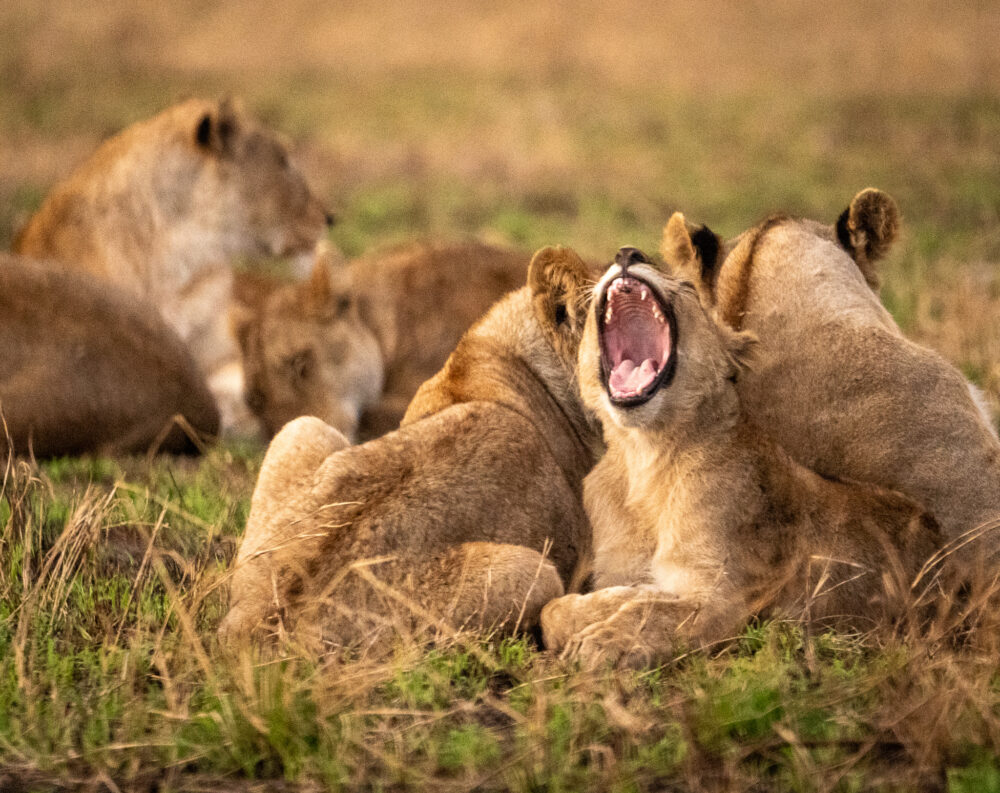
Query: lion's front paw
point(561, 619)
point(602, 644)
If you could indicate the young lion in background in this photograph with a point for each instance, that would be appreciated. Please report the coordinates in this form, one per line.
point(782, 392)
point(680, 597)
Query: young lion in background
point(471, 513)
point(834, 380)
point(700, 520)
point(162, 209)
point(352, 345)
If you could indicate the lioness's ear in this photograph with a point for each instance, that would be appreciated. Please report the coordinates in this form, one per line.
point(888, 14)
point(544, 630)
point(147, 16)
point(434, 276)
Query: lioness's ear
point(318, 288)
point(867, 229)
point(692, 252)
point(216, 129)
point(558, 280)
point(324, 297)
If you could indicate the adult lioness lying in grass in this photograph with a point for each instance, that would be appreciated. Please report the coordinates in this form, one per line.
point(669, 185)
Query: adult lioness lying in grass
point(834, 380)
point(470, 513)
point(85, 367)
point(700, 520)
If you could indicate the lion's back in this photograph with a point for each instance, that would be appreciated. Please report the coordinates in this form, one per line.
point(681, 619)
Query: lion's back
point(86, 367)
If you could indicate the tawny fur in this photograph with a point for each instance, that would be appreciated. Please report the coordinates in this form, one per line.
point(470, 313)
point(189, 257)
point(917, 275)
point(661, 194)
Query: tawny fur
point(446, 518)
point(162, 209)
point(836, 383)
point(701, 521)
point(352, 346)
point(85, 367)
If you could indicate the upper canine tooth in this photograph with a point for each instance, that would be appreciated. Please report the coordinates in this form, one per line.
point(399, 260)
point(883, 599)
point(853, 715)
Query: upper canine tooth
point(642, 294)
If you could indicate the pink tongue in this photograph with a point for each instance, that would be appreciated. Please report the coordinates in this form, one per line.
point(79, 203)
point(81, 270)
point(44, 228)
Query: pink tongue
point(627, 379)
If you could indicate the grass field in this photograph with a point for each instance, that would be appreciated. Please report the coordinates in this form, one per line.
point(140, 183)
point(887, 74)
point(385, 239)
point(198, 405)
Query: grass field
point(584, 124)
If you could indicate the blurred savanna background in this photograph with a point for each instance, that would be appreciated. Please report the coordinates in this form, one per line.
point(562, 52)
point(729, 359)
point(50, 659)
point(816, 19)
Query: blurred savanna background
point(577, 123)
point(527, 123)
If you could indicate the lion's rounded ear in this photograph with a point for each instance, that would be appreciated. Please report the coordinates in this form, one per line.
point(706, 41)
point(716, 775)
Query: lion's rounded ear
point(558, 280)
point(322, 297)
point(327, 293)
point(867, 229)
point(676, 247)
point(217, 128)
point(691, 251)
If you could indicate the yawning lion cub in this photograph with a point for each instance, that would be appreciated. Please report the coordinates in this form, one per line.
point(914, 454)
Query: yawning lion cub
point(699, 520)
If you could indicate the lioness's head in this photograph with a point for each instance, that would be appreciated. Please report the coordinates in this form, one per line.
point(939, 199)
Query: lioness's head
point(308, 351)
point(247, 183)
point(866, 230)
point(651, 356)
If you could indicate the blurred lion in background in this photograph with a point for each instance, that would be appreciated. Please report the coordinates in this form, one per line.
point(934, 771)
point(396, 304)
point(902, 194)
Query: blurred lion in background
point(163, 208)
point(87, 367)
point(352, 345)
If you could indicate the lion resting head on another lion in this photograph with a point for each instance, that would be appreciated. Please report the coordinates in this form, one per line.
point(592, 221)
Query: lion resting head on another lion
point(700, 520)
point(352, 344)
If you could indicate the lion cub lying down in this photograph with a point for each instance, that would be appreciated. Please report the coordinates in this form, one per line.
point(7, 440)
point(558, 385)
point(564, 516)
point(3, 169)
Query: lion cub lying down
point(352, 345)
point(86, 368)
point(470, 513)
point(700, 521)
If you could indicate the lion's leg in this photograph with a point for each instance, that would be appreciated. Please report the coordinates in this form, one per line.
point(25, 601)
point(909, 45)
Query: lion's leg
point(292, 458)
point(485, 585)
point(228, 386)
point(482, 586)
point(630, 626)
point(286, 472)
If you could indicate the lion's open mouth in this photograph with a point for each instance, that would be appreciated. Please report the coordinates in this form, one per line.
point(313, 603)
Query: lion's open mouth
point(637, 333)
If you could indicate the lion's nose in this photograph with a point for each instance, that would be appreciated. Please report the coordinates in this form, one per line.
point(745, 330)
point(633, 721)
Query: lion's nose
point(628, 256)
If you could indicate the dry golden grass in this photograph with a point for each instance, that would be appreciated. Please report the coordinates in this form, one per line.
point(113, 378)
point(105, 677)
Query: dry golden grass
point(114, 681)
